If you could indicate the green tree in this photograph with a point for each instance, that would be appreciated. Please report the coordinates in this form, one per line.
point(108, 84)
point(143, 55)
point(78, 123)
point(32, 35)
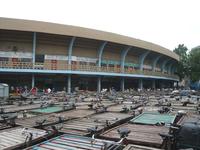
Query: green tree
point(182, 68)
point(194, 64)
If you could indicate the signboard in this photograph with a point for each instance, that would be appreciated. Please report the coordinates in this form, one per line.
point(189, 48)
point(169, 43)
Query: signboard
point(15, 54)
point(147, 67)
point(74, 58)
point(84, 59)
point(56, 57)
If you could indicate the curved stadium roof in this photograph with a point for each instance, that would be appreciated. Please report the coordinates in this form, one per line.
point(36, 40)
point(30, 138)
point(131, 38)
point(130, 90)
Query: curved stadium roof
point(53, 28)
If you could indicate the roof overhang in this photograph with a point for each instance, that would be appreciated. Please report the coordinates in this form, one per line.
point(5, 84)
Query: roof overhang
point(53, 28)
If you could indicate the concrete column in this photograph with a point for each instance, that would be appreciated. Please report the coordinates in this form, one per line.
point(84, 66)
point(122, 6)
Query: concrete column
point(33, 81)
point(34, 47)
point(172, 84)
point(69, 84)
point(122, 84)
point(169, 69)
point(123, 58)
point(100, 52)
point(154, 84)
point(70, 49)
point(140, 84)
point(141, 60)
point(98, 84)
point(164, 65)
point(155, 61)
point(161, 84)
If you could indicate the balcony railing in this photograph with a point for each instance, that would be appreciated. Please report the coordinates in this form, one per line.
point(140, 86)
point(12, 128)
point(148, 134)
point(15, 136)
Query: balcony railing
point(75, 67)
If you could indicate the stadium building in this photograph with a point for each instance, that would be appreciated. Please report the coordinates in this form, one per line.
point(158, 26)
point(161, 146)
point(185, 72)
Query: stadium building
point(48, 55)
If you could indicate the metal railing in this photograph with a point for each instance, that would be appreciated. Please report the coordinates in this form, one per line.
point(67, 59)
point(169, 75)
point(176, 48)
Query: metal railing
point(76, 67)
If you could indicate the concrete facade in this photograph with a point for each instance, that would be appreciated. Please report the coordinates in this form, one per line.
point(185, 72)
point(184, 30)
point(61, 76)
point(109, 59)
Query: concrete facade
point(26, 49)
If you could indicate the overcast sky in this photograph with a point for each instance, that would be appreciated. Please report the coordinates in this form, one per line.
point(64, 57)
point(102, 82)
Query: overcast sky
point(164, 22)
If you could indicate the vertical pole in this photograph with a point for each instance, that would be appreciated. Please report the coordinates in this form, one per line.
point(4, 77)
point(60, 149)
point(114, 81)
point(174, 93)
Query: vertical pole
point(123, 58)
point(70, 50)
point(69, 84)
point(154, 84)
point(169, 69)
point(171, 84)
point(155, 63)
point(33, 58)
point(141, 84)
point(98, 84)
point(100, 53)
point(34, 47)
point(141, 60)
point(122, 84)
point(164, 65)
point(161, 84)
point(33, 81)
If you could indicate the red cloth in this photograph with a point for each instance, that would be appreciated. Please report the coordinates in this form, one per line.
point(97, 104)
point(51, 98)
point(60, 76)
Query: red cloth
point(33, 91)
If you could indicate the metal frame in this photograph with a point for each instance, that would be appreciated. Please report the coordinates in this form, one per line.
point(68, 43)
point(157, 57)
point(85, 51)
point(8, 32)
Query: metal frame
point(70, 62)
point(164, 64)
point(140, 86)
point(100, 53)
point(33, 81)
point(154, 84)
point(34, 47)
point(174, 68)
point(33, 58)
point(69, 83)
point(3, 70)
point(99, 84)
point(141, 59)
point(170, 68)
point(70, 49)
point(155, 63)
point(123, 57)
point(122, 84)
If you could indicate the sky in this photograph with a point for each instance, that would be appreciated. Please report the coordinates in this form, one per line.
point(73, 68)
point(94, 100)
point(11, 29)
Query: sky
point(163, 22)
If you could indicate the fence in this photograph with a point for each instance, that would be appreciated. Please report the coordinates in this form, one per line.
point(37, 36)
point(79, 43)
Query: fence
point(78, 67)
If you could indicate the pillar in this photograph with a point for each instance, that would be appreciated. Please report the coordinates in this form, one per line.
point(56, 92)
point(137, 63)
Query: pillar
point(123, 57)
point(122, 84)
point(154, 84)
point(98, 84)
point(69, 84)
point(70, 50)
point(141, 60)
point(33, 81)
point(140, 84)
point(169, 69)
point(100, 52)
point(164, 65)
point(34, 47)
point(161, 84)
point(171, 84)
point(155, 61)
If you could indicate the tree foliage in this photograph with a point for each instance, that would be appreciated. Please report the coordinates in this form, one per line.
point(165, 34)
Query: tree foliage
point(194, 64)
point(189, 64)
point(182, 68)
